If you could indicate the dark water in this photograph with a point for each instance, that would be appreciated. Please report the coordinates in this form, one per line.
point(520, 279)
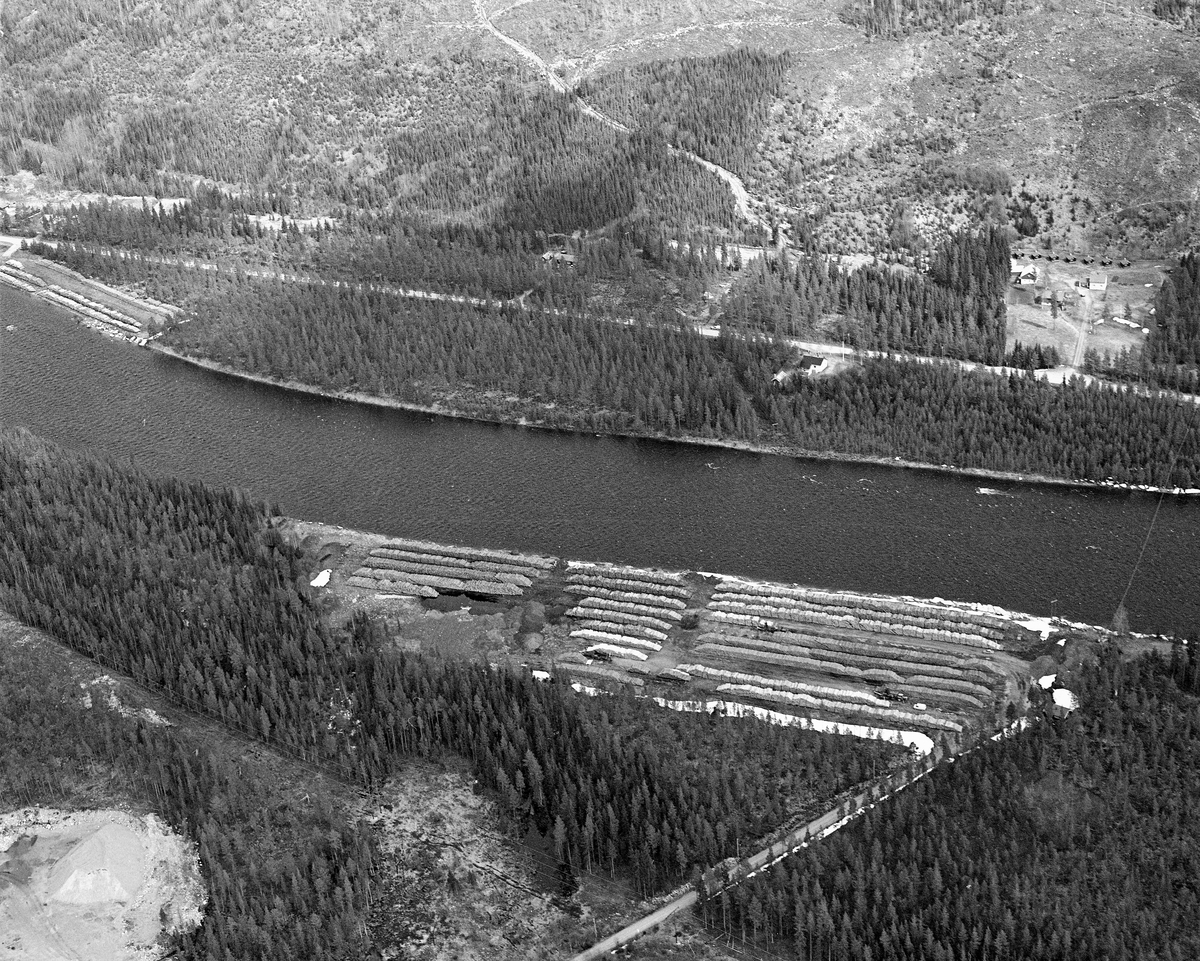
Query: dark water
point(843, 526)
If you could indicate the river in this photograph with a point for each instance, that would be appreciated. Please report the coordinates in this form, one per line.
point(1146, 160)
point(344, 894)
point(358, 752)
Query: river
point(644, 502)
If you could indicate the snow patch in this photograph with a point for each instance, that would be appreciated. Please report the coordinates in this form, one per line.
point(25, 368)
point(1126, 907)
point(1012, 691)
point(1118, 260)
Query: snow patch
point(1042, 625)
point(1066, 699)
point(1046, 681)
point(321, 579)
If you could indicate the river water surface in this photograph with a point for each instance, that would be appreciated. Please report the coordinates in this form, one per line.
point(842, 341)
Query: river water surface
point(814, 522)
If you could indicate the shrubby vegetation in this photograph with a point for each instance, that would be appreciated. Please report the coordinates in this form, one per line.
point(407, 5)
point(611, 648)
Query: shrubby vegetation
point(1184, 12)
point(892, 18)
point(1072, 839)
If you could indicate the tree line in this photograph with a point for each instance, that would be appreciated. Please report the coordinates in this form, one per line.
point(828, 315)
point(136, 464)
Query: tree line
point(1170, 358)
point(572, 370)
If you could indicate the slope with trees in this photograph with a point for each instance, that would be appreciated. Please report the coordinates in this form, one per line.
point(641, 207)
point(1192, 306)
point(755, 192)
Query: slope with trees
point(1071, 839)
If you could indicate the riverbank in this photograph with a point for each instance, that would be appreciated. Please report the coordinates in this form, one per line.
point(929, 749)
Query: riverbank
point(775, 449)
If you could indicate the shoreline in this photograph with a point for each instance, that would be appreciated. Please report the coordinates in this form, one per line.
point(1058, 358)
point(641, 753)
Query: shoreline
point(777, 450)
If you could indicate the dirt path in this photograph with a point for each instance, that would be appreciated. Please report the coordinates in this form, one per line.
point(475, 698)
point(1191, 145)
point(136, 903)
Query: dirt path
point(741, 196)
point(556, 81)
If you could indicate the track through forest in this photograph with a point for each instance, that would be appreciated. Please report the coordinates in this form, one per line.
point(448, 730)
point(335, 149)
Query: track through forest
point(745, 203)
point(813, 830)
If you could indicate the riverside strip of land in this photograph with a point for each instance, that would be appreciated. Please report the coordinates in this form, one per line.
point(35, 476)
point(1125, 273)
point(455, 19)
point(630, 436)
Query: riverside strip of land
point(898, 668)
point(127, 316)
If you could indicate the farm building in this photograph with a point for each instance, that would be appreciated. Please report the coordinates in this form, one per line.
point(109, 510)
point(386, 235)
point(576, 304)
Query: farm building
point(1024, 275)
point(1099, 282)
point(559, 257)
point(811, 364)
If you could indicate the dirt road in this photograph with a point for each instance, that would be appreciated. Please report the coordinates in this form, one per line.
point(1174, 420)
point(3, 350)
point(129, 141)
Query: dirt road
point(741, 196)
point(819, 827)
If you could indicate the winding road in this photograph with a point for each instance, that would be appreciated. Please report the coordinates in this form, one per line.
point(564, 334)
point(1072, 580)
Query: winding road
point(737, 186)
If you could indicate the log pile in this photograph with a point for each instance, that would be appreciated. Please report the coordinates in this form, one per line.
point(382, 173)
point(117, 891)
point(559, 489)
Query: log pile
point(424, 569)
point(628, 607)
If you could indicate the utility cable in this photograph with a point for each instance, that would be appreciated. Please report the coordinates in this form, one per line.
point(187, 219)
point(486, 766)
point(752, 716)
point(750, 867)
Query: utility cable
point(1146, 541)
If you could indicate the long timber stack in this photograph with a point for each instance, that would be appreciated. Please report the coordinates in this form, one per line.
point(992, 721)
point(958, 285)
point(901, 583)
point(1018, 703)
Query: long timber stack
point(625, 612)
point(424, 569)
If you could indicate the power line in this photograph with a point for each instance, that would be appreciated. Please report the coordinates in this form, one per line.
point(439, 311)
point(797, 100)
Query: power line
point(1146, 541)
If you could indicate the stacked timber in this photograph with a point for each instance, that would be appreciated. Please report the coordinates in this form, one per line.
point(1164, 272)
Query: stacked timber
point(943, 656)
point(424, 569)
point(629, 607)
point(860, 611)
point(859, 706)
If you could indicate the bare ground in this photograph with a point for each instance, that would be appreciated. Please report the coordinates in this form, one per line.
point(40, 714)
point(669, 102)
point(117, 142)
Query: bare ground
point(42, 920)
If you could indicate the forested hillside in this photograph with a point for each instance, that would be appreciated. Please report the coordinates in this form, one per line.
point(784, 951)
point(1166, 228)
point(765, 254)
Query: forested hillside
point(1073, 839)
point(192, 591)
point(712, 106)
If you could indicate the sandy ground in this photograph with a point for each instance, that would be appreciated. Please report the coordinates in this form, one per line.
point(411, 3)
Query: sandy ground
point(84, 885)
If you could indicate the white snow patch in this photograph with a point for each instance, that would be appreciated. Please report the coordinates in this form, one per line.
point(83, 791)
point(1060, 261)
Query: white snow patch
point(1040, 624)
point(321, 579)
point(541, 675)
point(1066, 699)
point(1046, 681)
point(923, 743)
